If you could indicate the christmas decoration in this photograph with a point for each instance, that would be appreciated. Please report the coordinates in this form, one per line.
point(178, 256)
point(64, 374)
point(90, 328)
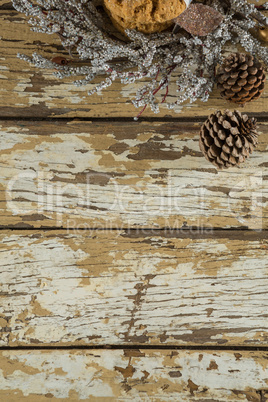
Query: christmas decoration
point(199, 19)
point(241, 78)
point(98, 49)
point(263, 34)
point(227, 139)
point(60, 60)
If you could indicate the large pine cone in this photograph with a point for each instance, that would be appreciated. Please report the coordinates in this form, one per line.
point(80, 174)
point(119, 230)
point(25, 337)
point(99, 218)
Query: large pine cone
point(241, 78)
point(227, 139)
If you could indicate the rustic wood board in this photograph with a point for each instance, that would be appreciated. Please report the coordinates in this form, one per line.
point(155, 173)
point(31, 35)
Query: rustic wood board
point(116, 287)
point(28, 91)
point(94, 288)
point(133, 375)
point(124, 174)
point(6, 5)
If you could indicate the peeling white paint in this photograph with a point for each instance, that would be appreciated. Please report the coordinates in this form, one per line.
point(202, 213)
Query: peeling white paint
point(178, 289)
point(96, 374)
point(131, 195)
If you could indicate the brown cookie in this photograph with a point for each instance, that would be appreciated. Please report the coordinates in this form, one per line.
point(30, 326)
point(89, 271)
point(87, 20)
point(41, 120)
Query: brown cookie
point(146, 16)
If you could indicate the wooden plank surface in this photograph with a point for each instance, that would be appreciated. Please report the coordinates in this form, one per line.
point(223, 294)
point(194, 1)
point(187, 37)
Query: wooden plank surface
point(124, 174)
point(28, 91)
point(117, 288)
point(6, 5)
point(133, 375)
point(96, 288)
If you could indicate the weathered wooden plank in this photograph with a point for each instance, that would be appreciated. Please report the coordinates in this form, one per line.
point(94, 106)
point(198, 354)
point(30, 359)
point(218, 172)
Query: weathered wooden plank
point(133, 375)
point(99, 288)
point(114, 175)
point(6, 5)
point(28, 91)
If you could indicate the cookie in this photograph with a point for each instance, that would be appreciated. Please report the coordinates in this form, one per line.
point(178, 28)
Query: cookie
point(146, 16)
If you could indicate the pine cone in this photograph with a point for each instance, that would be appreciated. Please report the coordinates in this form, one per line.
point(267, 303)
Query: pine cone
point(227, 139)
point(241, 78)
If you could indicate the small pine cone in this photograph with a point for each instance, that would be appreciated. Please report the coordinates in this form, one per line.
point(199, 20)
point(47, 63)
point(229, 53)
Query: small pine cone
point(241, 78)
point(227, 139)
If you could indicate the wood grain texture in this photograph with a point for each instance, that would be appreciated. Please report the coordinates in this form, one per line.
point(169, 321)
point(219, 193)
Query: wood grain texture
point(133, 375)
point(29, 91)
point(116, 287)
point(6, 5)
point(123, 287)
point(114, 175)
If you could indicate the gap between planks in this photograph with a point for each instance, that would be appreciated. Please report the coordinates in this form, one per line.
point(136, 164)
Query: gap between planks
point(261, 118)
point(138, 347)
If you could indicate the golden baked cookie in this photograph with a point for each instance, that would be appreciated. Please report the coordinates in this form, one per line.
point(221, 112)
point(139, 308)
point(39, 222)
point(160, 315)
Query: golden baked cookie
point(142, 27)
point(146, 16)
